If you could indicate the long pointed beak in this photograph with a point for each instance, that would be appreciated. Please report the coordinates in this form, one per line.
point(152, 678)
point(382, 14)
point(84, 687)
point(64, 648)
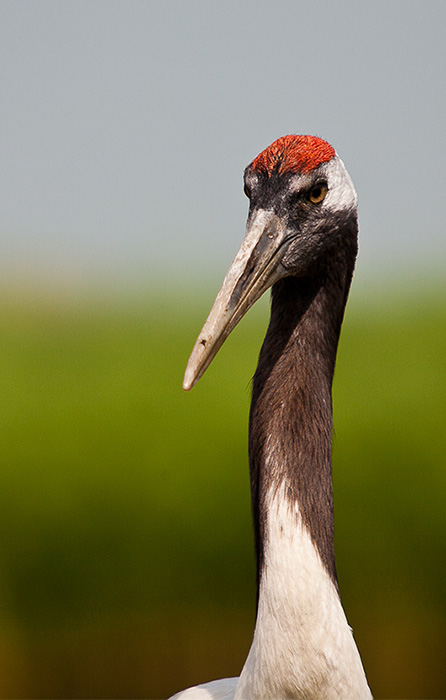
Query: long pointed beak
point(256, 267)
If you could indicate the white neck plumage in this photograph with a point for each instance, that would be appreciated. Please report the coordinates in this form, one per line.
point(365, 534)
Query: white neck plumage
point(302, 646)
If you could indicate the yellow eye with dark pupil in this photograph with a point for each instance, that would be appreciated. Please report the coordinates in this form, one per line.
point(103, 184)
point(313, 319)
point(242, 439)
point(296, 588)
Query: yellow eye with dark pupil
point(317, 193)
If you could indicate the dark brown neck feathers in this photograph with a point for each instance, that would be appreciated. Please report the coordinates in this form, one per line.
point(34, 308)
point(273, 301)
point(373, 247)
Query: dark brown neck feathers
point(290, 427)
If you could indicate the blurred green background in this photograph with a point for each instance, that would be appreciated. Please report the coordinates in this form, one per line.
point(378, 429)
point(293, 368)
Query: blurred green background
point(126, 552)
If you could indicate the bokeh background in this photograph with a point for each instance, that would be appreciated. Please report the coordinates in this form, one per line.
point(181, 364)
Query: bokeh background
point(126, 553)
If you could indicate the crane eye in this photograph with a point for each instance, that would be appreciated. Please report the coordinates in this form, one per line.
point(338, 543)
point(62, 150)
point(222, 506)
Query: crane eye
point(247, 191)
point(317, 193)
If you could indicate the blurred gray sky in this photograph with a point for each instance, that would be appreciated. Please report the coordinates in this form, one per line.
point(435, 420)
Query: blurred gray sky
point(126, 126)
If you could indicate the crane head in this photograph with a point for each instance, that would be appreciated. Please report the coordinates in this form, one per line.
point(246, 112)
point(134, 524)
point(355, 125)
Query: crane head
point(301, 198)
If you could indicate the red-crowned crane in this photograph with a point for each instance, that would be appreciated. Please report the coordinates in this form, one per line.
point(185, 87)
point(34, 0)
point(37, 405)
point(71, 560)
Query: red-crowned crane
point(301, 240)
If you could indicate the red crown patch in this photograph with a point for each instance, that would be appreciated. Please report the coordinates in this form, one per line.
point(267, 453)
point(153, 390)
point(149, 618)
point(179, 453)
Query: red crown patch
point(293, 154)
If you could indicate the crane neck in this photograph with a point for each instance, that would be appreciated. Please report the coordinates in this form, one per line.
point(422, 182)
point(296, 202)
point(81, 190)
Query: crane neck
point(291, 411)
point(303, 647)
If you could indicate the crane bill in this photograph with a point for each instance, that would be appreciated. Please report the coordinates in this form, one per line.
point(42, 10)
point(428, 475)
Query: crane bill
point(255, 268)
